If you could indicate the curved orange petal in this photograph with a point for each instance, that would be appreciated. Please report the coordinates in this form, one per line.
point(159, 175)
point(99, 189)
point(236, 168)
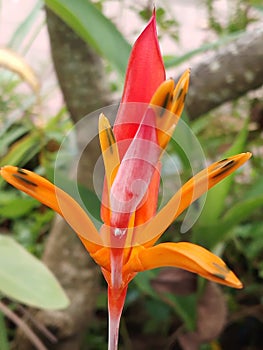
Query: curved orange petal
point(109, 149)
point(180, 93)
point(111, 161)
point(171, 100)
point(189, 192)
point(44, 191)
point(186, 256)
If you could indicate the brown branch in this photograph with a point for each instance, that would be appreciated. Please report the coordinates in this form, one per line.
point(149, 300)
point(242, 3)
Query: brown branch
point(229, 73)
point(34, 339)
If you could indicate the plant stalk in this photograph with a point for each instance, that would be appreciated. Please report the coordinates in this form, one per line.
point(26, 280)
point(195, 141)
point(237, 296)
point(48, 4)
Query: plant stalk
point(116, 299)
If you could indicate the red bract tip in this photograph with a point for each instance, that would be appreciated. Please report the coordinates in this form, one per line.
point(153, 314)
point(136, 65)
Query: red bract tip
point(145, 73)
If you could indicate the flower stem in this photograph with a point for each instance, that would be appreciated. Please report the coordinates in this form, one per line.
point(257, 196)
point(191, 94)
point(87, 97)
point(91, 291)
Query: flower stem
point(116, 299)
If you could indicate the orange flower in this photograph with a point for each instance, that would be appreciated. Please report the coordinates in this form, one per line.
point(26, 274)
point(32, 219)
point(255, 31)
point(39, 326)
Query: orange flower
point(132, 153)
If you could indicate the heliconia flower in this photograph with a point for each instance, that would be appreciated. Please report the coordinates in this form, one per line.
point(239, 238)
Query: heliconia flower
point(132, 154)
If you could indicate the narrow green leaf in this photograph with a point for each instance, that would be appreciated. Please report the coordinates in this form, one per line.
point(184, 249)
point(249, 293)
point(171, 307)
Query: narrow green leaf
point(242, 210)
point(143, 283)
point(9, 137)
point(255, 189)
point(22, 151)
point(215, 201)
point(211, 235)
point(21, 33)
point(185, 306)
point(26, 279)
point(93, 27)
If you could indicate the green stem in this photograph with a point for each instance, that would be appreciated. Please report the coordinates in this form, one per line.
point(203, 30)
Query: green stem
point(4, 344)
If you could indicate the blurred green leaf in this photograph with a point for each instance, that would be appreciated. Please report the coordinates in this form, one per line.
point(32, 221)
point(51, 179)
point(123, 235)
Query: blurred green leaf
point(211, 235)
point(26, 279)
point(21, 32)
point(258, 7)
point(242, 210)
point(215, 201)
point(255, 189)
point(93, 27)
point(185, 306)
point(143, 282)
point(9, 136)
point(22, 151)
point(4, 344)
point(252, 241)
point(13, 206)
point(28, 230)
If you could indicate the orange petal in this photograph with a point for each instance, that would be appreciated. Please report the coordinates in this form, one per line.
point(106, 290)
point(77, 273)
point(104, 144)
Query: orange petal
point(109, 149)
point(180, 93)
point(44, 191)
point(111, 161)
point(170, 103)
point(162, 97)
point(190, 191)
point(186, 256)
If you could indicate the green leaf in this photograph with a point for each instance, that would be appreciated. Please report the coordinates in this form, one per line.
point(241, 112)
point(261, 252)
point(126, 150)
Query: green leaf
point(9, 137)
point(4, 345)
point(255, 189)
point(21, 33)
point(242, 210)
point(185, 306)
point(143, 283)
point(26, 279)
point(211, 235)
point(13, 206)
point(216, 197)
point(94, 28)
point(22, 151)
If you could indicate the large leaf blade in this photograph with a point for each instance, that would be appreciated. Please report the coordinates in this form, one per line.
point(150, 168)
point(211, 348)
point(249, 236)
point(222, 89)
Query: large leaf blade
point(26, 279)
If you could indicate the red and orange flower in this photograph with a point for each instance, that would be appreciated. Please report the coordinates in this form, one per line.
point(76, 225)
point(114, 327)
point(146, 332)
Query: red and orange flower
point(132, 154)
